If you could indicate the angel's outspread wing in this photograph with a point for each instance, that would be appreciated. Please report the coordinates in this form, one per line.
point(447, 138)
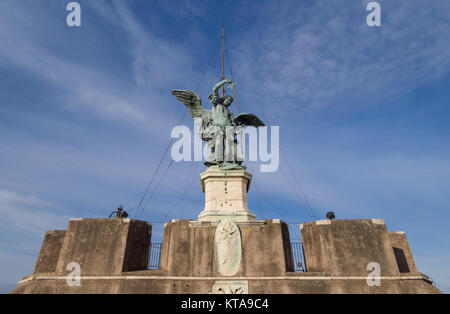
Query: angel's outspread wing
point(201, 116)
point(192, 102)
point(248, 119)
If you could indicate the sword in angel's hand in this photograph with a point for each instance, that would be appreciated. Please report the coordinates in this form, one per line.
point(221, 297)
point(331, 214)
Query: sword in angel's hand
point(231, 86)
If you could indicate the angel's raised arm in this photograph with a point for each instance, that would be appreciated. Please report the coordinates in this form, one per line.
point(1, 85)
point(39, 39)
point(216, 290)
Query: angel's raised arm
point(219, 85)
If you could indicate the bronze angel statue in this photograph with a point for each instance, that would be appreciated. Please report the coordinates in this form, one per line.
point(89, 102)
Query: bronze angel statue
point(218, 126)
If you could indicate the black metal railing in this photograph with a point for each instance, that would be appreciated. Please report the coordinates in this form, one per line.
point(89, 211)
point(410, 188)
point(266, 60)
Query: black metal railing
point(155, 256)
point(296, 248)
point(298, 257)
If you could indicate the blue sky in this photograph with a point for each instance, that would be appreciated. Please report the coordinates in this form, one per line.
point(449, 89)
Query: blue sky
point(86, 113)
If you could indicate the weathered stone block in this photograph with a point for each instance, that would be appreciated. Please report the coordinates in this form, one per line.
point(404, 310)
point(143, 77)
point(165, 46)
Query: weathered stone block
point(402, 252)
point(188, 249)
point(49, 253)
point(105, 246)
point(346, 247)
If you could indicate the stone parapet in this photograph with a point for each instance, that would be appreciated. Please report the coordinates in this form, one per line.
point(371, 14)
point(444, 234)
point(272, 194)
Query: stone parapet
point(104, 246)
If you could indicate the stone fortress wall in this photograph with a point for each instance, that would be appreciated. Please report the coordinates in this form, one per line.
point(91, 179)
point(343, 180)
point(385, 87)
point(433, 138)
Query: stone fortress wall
point(225, 251)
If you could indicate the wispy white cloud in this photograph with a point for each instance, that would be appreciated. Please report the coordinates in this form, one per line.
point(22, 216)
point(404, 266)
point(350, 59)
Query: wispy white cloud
point(301, 55)
point(156, 61)
point(25, 218)
point(29, 214)
point(184, 8)
point(136, 100)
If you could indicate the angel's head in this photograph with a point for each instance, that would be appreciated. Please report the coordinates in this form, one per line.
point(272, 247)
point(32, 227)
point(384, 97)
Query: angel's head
point(224, 101)
point(227, 100)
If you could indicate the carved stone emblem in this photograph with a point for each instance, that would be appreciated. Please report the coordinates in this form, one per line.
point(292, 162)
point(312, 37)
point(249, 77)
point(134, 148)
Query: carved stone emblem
point(230, 287)
point(228, 248)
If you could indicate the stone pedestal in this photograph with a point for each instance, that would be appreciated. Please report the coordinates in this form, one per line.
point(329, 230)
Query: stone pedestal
point(226, 195)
